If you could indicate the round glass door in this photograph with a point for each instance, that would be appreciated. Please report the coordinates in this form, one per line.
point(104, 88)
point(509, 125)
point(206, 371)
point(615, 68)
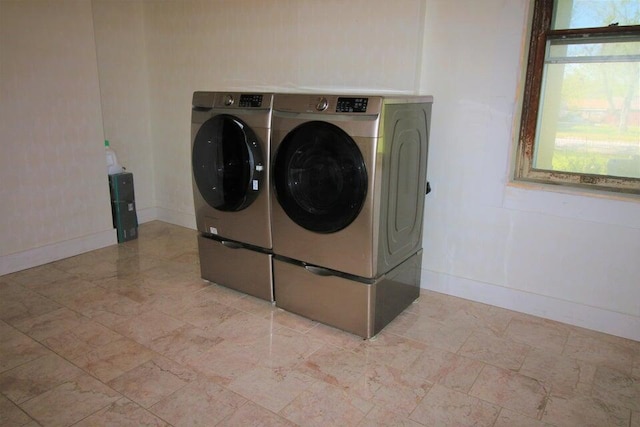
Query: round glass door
point(320, 177)
point(227, 163)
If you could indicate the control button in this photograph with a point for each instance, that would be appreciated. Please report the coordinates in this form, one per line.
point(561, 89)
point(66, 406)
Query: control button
point(228, 100)
point(322, 104)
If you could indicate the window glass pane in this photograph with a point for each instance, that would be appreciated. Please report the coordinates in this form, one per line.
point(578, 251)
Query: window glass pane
point(589, 119)
point(595, 13)
point(560, 51)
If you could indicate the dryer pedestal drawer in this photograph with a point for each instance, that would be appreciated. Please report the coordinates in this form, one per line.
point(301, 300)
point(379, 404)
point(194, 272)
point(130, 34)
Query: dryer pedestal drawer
point(235, 266)
point(362, 306)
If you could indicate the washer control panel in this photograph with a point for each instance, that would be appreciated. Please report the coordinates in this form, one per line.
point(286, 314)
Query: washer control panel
point(207, 100)
point(252, 101)
point(351, 105)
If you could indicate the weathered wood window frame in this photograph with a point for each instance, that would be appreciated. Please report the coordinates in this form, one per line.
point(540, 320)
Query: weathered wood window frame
point(541, 32)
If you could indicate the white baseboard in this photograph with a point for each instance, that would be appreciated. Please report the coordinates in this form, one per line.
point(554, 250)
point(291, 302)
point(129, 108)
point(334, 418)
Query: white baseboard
point(56, 251)
point(146, 215)
point(182, 219)
point(45, 254)
point(595, 318)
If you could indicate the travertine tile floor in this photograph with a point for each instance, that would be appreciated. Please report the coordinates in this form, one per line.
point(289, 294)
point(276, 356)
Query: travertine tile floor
point(130, 335)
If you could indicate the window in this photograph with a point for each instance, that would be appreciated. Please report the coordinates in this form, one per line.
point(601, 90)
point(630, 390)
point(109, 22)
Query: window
point(581, 111)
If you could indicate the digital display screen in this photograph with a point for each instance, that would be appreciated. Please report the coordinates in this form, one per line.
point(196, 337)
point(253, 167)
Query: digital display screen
point(352, 105)
point(250, 100)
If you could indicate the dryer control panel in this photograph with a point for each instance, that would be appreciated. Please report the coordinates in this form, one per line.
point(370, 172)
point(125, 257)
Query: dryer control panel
point(348, 104)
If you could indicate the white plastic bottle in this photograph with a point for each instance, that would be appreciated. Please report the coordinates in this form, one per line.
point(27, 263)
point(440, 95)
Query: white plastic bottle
point(113, 166)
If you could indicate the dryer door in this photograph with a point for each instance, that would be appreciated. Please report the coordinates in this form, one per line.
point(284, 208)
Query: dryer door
point(320, 177)
point(227, 163)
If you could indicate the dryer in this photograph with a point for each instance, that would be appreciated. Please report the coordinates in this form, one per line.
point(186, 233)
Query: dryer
point(230, 140)
point(349, 176)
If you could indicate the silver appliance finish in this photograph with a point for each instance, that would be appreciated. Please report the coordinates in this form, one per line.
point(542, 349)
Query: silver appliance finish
point(235, 244)
point(251, 225)
point(361, 307)
point(360, 276)
point(392, 137)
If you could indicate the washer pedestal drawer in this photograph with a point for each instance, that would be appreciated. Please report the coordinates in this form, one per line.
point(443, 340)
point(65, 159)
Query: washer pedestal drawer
point(236, 266)
point(357, 305)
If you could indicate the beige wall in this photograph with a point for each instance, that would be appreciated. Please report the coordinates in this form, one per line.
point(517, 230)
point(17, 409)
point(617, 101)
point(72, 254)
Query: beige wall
point(53, 184)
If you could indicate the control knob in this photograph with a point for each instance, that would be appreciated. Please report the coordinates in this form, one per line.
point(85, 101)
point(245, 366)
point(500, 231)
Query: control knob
point(228, 100)
point(322, 104)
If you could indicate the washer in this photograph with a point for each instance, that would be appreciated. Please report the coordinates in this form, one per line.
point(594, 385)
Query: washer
point(349, 176)
point(230, 141)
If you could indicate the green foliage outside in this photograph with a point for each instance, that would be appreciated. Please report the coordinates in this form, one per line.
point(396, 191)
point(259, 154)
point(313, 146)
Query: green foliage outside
point(618, 161)
point(600, 133)
point(576, 161)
